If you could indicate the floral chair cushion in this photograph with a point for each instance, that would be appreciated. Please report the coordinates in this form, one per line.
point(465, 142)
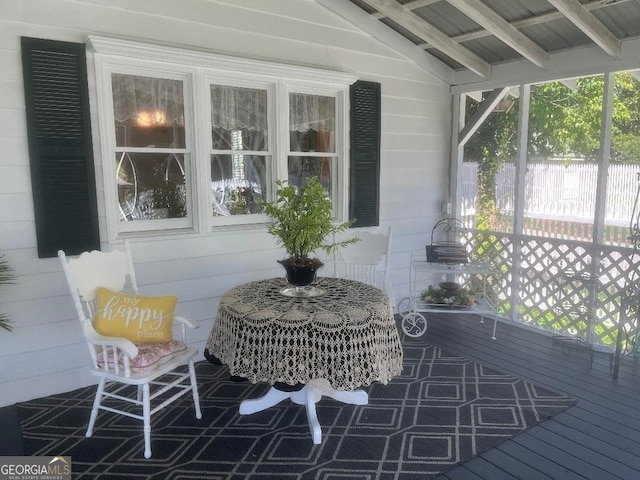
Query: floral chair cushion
point(150, 356)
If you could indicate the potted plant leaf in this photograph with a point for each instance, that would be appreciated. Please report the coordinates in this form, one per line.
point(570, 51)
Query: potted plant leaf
point(303, 224)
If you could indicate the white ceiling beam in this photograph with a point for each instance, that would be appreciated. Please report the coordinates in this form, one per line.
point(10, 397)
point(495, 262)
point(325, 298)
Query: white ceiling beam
point(590, 25)
point(532, 21)
point(411, 6)
point(416, 25)
point(485, 109)
point(574, 63)
point(378, 30)
point(499, 27)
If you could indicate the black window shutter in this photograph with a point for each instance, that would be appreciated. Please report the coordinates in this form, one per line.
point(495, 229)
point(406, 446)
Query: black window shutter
point(364, 202)
point(60, 149)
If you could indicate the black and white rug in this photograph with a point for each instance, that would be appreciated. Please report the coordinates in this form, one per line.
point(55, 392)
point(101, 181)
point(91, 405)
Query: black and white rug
point(442, 411)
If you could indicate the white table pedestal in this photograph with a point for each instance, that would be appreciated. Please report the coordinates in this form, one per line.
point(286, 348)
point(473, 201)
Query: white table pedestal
point(308, 396)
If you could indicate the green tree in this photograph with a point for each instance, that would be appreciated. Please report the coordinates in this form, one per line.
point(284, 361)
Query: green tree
point(562, 123)
point(625, 142)
point(491, 146)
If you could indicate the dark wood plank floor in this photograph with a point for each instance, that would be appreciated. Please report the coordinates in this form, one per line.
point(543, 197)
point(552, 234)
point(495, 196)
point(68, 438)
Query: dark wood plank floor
point(598, 439)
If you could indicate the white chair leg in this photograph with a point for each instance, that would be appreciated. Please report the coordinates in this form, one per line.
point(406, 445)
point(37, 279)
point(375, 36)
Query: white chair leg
point(146, 416)
point(96, 406)
point(194, 388)
point(139, 396)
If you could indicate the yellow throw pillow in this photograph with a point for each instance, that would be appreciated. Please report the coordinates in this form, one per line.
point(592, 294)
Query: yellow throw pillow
point(134, 317)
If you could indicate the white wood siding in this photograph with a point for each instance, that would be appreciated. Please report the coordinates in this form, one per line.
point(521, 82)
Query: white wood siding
point(45, 353)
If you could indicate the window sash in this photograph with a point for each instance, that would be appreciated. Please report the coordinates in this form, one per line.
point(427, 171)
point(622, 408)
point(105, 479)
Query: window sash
point(339, 175)
point(229, 203)
point(110, 139)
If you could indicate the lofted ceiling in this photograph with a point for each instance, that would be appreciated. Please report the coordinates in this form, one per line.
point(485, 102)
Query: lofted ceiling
point(475, 36)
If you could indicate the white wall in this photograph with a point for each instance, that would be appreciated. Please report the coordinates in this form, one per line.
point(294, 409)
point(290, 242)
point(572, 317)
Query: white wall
point(45, 353)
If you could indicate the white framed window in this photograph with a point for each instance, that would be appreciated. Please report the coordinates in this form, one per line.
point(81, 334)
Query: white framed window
point(152, 157)
point(316, 143)
point(194, 141)
point(240, 145)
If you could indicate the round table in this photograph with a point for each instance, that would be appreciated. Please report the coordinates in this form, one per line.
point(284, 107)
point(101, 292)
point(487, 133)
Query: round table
point(332, 343)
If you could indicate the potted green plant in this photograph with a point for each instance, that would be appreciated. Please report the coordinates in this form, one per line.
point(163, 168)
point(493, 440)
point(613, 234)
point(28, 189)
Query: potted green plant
point(6, 278)
point(449, 294)
point(302, 224)
point(168, 200)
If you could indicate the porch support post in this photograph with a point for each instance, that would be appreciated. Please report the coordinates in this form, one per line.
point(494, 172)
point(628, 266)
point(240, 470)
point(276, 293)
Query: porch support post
point(457, 154)
point(519, 200)
point(603, 157)
point(601, 195)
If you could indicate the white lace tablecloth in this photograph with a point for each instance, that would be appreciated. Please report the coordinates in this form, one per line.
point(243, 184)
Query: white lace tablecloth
point(347, 336)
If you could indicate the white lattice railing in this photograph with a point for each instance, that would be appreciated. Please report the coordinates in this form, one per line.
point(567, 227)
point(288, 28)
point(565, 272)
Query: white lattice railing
point(565, 286)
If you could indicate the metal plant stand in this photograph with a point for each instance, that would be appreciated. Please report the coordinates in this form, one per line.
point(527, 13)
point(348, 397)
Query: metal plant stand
point(627, 333)
point(446, 264)
point(574, 305)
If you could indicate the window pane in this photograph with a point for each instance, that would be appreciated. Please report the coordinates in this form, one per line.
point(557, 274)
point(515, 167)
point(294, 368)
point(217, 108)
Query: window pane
point(239, 119)
point(150, 186)
point(302, 168)
point(148, 112)
point(238, 184)
point(562, 169)
point(312, 123)
point(488, 170)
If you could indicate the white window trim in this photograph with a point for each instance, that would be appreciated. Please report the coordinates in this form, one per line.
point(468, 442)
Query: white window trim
point(201, 67)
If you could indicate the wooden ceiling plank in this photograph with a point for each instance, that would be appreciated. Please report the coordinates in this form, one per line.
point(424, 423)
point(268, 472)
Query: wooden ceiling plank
point(590, 25)
point(503, 30)
point(413, 23)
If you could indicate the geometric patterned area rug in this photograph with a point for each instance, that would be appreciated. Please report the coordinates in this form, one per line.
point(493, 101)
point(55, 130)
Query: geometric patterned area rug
point(442, 411)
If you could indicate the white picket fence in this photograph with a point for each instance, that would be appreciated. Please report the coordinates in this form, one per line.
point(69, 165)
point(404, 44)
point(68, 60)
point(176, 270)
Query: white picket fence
point(557, 191)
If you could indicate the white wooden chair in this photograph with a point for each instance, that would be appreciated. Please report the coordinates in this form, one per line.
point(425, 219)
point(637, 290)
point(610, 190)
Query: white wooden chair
point(362, 261)
point(118, 362)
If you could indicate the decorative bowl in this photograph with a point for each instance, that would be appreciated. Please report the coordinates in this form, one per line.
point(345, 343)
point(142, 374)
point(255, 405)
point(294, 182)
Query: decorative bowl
point(451, 287)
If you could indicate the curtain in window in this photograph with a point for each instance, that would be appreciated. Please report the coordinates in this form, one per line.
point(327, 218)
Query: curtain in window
point(159, 98)
point(239, 118)
point(235, 108)
point(312, 113)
